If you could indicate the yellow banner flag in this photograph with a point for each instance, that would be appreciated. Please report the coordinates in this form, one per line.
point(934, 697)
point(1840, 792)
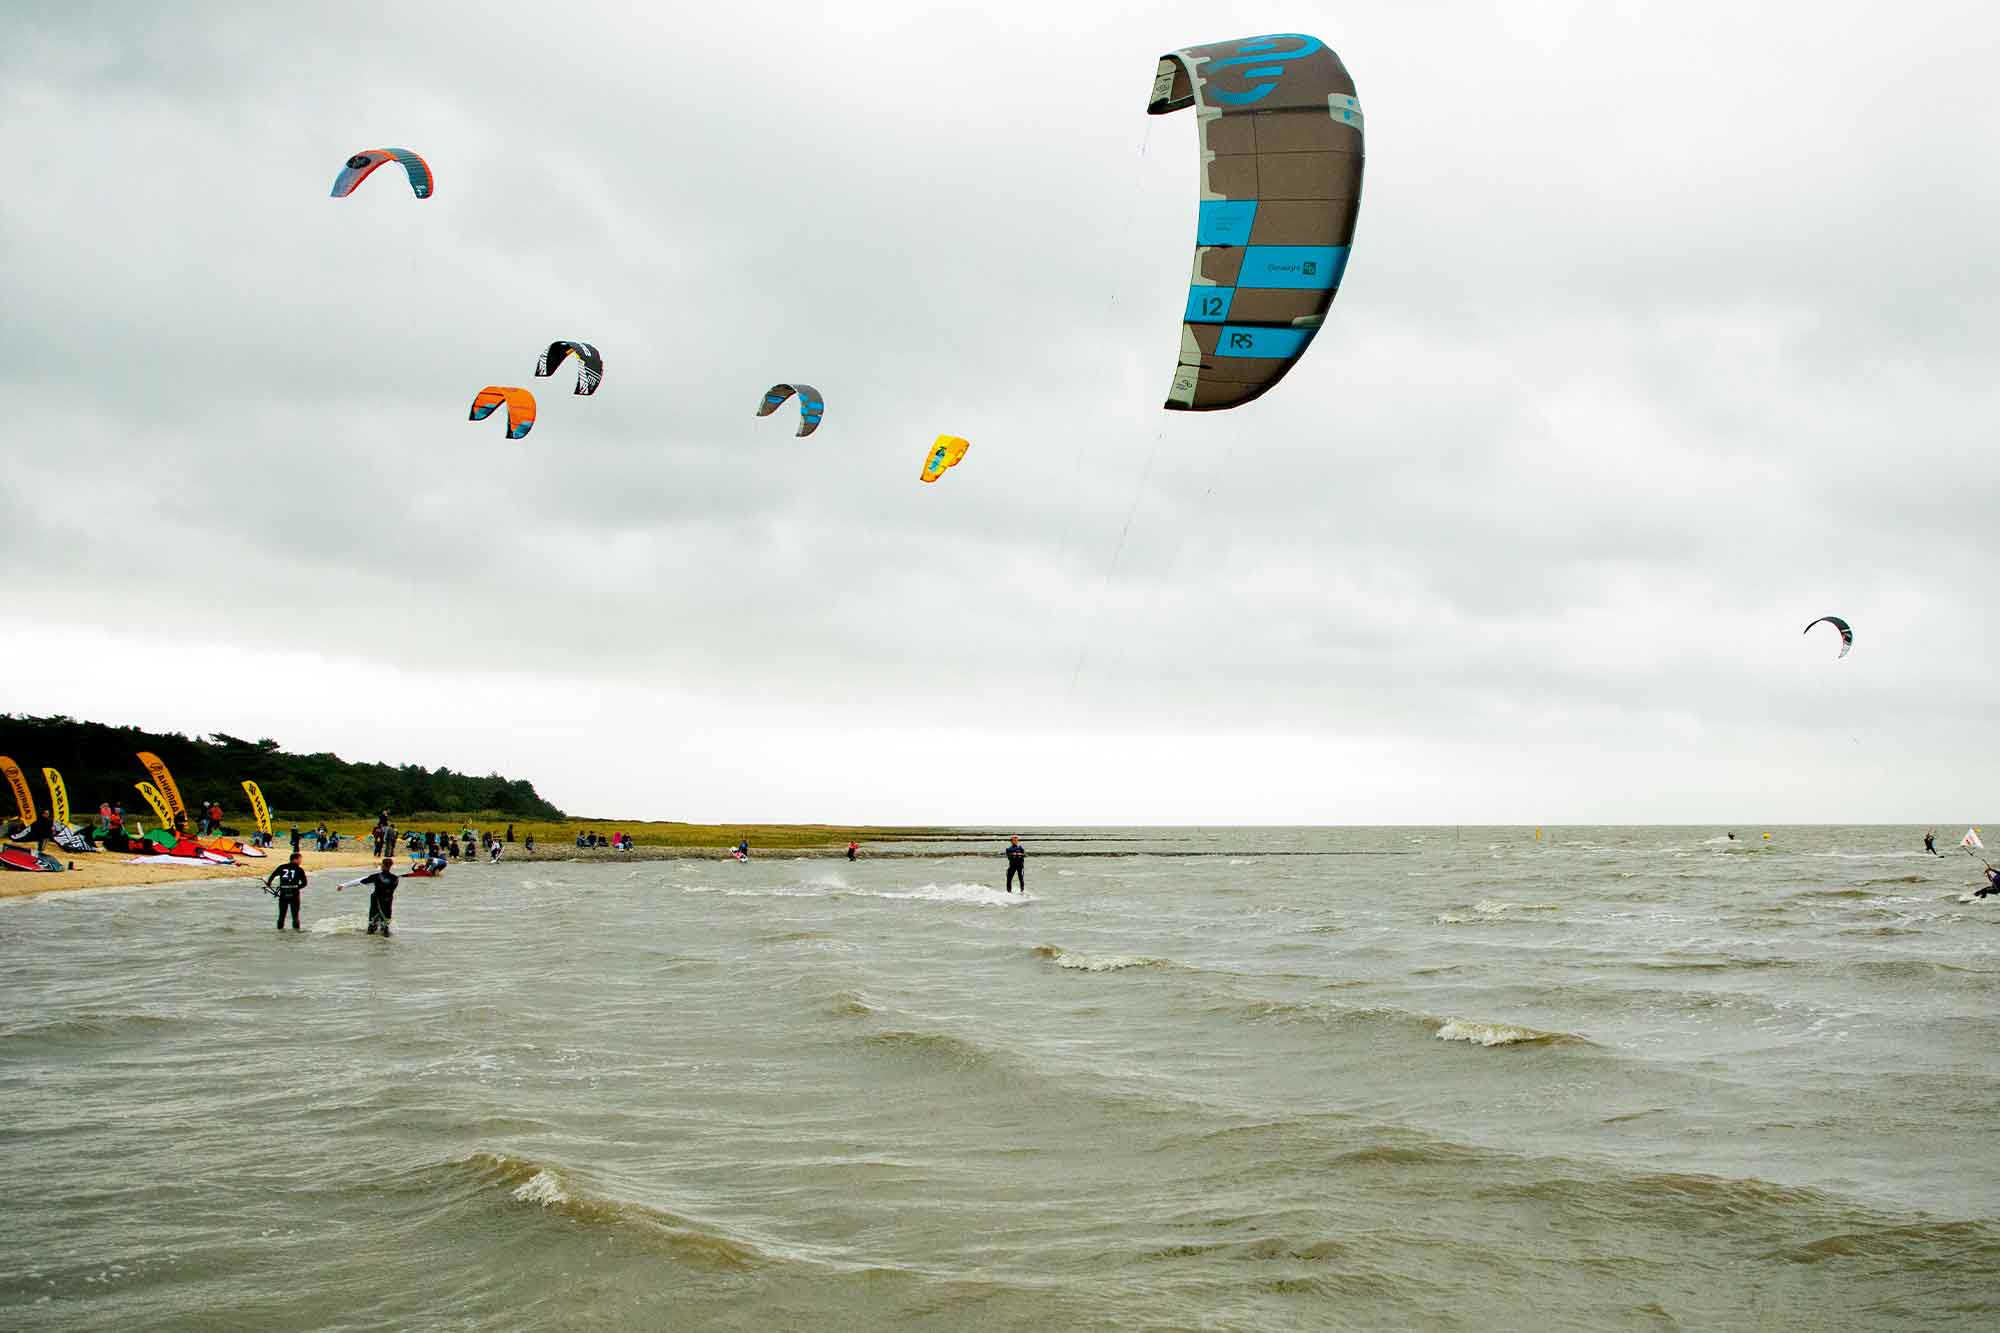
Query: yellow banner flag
point(261, 811)
point(19, 783)
point(165, 780)
point(158, 802)
point(58, 795)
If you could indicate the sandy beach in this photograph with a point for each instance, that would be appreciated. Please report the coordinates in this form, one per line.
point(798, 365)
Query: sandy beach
point(112, 870)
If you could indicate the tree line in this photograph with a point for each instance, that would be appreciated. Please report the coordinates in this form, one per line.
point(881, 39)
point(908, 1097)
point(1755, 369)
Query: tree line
point(99, 766)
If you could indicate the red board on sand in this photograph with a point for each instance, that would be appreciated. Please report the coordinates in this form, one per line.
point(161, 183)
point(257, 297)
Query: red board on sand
point(18, 858)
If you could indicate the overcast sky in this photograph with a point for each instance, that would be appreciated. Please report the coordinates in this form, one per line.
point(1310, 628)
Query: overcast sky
point(1667, 329)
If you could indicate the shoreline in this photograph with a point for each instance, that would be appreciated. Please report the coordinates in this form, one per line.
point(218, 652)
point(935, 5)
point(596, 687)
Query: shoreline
point(114, 870)
point(111, 870)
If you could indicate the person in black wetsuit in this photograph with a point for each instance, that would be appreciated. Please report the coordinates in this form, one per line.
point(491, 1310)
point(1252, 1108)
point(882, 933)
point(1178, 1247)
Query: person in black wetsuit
point(41, 830)
point(1930, 842)
point(1017, 864)
point(291, 877)
point(1992, 883)
point(381, 895)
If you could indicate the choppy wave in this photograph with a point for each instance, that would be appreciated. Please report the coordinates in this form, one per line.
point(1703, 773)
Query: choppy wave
point(1954, 1246)
point(1083, 962)
point(548, 1188)
point(89, 1027)
point(355, 923)
point(1501, 1034)
point(849, 1004)
point(1488, 910)
point(1711, 963)
point(974, 895)
point(935, 1048)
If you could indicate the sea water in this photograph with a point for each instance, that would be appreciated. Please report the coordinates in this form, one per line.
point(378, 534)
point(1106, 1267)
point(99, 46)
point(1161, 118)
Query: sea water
point(1436, 1078)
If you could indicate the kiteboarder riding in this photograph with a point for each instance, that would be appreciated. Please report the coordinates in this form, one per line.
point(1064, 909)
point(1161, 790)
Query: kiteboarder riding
point(1017, 864)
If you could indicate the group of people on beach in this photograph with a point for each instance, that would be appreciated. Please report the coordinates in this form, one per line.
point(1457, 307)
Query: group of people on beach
point(443, 847)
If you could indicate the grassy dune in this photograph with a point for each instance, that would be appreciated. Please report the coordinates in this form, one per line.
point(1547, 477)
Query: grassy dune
point(645, 833)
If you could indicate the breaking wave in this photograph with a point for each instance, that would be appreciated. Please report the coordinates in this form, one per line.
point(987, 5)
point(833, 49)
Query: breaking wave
point(545, 1188)
point(1083, 962)
point(1501, 1034)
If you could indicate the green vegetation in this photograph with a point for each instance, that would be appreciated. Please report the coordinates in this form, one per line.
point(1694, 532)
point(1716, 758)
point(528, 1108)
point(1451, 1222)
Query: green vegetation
point(99, 765)
point(555, 833)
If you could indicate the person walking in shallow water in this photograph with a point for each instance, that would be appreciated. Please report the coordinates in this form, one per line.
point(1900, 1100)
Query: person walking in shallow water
point(291, 878)
point(381, 894)
point(1017, 865)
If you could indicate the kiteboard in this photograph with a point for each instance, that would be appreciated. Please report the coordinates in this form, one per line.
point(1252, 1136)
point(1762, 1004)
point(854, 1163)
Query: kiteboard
point(20, 858)
point(49, 862)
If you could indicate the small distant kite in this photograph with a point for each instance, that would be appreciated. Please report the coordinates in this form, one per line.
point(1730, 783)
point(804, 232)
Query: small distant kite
point(589, 364)
point(1846, 634)
point(359, 166)
point(520, 408)
point(812, 407)
point(946, 453)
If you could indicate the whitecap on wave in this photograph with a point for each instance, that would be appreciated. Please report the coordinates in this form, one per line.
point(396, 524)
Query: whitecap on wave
point(1083, 962)
point(543, 1188)
point(976, 895)
point(1497, 1034)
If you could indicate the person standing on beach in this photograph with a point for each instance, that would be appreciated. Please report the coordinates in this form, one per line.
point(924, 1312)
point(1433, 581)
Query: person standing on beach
point(41, 830)
point(1930, 842)
point(381, 894)
point(852, 848)
point(291, 878)
point(1017, 865)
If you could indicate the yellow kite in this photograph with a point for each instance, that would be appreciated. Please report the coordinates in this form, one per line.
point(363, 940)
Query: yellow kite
point(944, 454)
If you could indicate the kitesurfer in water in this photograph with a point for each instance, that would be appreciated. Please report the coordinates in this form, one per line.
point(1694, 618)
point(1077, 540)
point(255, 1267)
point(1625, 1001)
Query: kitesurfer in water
point(291, 877)
point(852, 848)
point(743, 850)
point(1930, 842)
point(1992, 883)
point(1017, 865)
point(381, 895)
